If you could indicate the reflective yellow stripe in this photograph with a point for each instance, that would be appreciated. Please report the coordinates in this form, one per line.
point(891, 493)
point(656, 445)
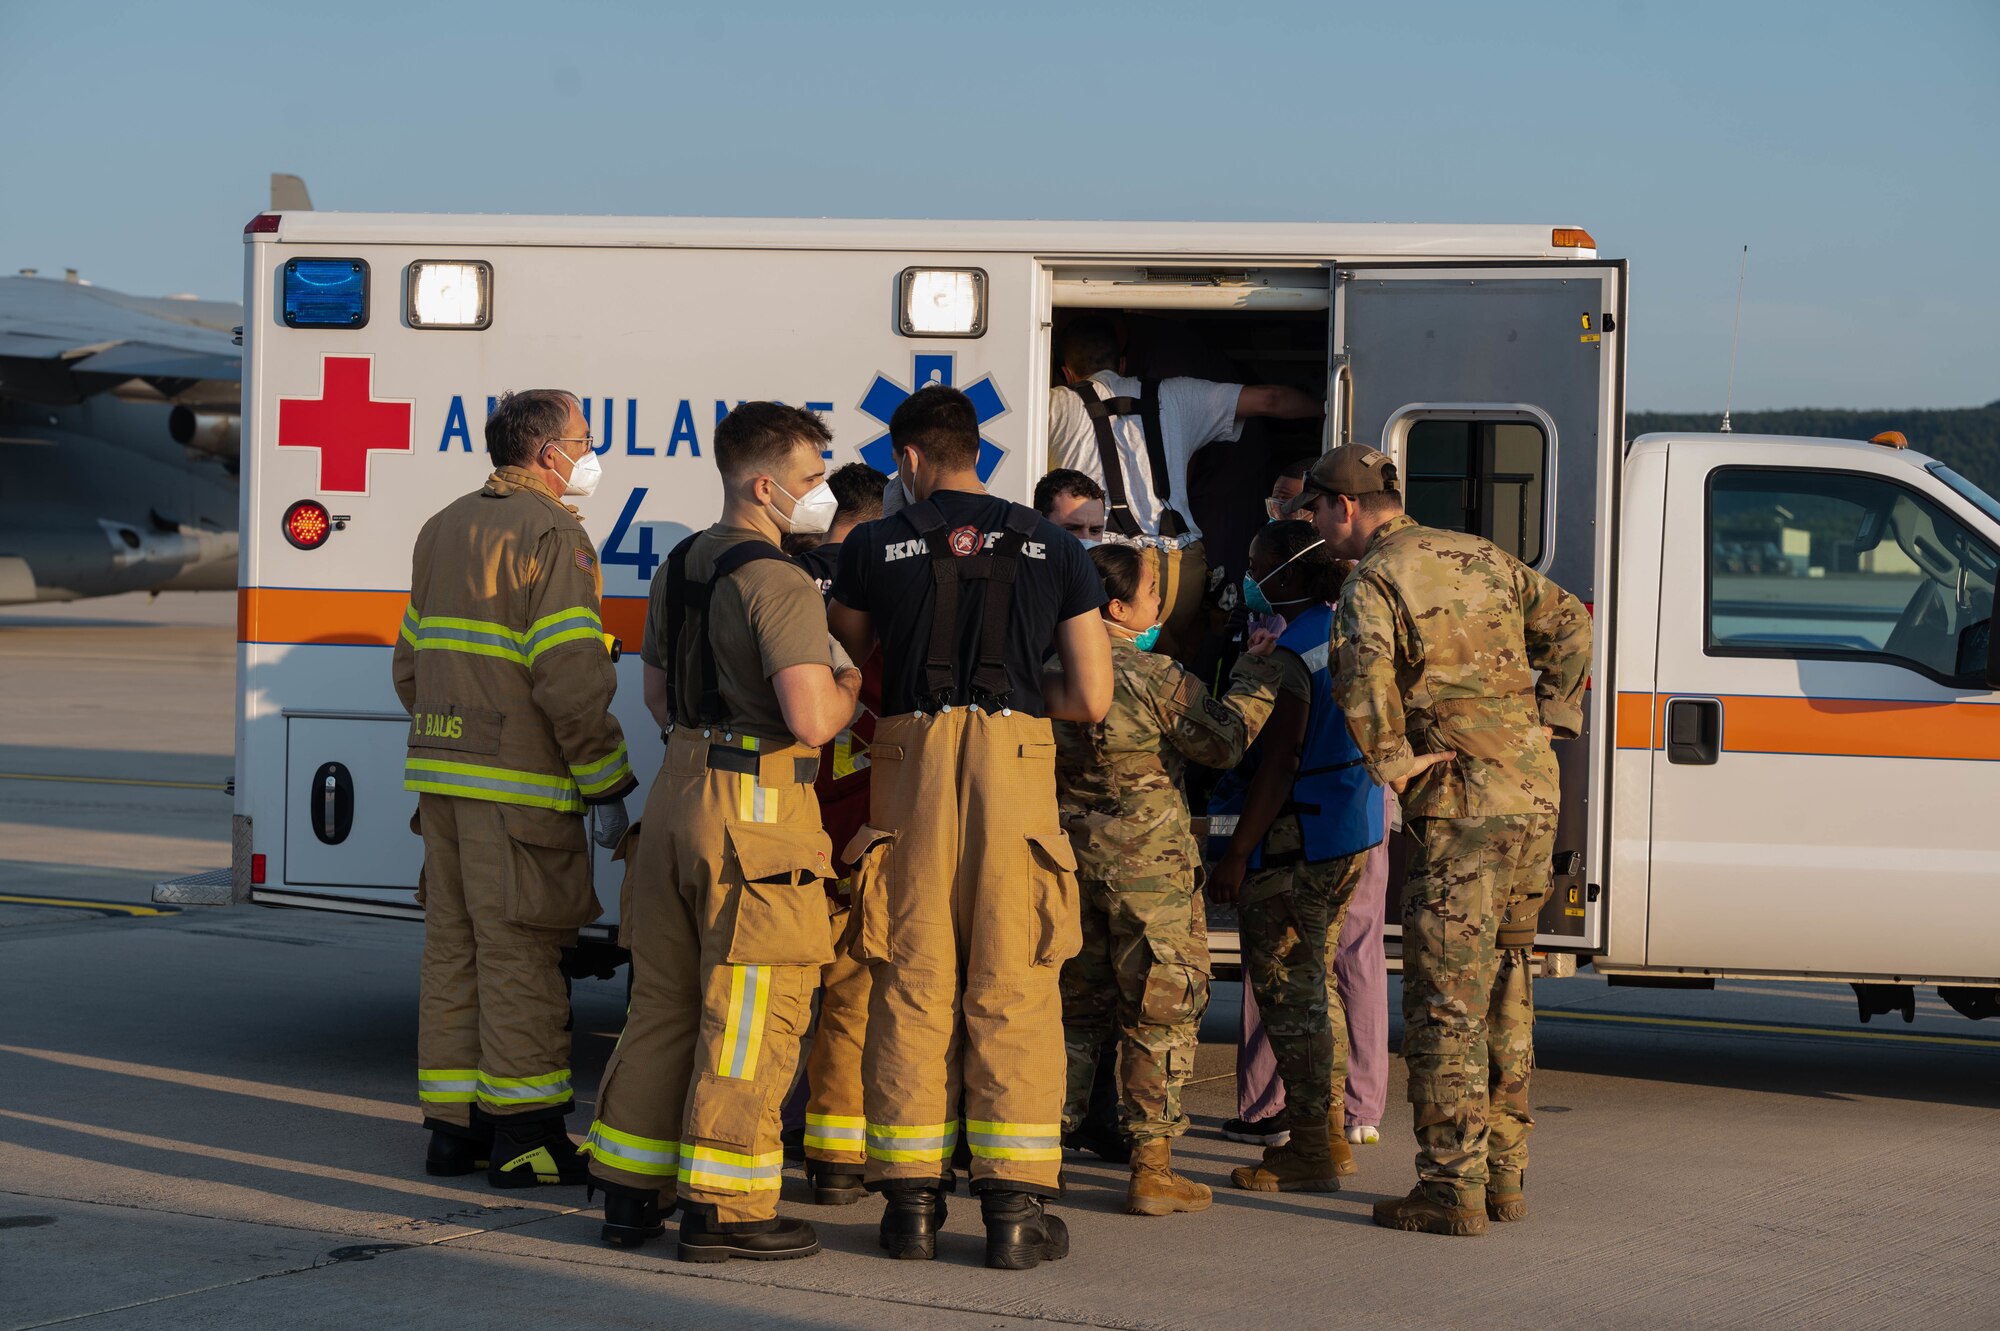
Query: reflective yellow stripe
point(750, 800)
point(546, 1089)
point(409, 624)
point(593, 778)
point(631, 1152)
point(447, 1086)
point(729, 1171)
point(836, 1132)
point(743, 1034)
point(1013, 1141)
point(923, 1143)
point(503, 785)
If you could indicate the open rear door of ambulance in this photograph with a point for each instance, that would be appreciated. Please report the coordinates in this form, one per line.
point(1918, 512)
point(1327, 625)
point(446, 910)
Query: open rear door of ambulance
point(1499, 390)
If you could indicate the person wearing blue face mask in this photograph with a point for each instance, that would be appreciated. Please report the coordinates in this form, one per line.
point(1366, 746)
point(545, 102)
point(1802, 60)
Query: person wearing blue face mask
point(1295, 829)
point(1142, 974)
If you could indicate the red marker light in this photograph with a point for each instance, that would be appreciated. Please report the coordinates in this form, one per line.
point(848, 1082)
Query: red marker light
point(308, 524)
point(257, 870)
point(260, 224)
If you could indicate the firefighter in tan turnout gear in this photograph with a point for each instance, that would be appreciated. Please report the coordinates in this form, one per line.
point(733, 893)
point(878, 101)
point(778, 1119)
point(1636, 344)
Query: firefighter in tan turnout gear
point(965, 889)
point(503, 667)
point(726, 908)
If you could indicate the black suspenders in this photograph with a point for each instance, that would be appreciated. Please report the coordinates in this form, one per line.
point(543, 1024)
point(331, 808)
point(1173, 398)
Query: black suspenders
point(1147, 408)
point(683, 595)
point(990, 685)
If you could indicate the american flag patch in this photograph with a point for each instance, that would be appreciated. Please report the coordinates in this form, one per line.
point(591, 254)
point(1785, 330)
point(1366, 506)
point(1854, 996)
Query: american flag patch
point(585, 561)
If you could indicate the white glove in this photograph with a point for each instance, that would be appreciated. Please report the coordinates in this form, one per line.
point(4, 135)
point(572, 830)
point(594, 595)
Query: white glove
point(608, 823)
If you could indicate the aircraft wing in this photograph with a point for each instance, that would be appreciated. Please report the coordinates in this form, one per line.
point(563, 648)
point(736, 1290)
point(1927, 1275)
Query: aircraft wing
point(61, 342)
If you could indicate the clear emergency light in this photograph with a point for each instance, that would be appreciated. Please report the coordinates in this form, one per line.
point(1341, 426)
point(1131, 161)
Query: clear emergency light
point(450, 293)
point(944, 302)
point(326, 293)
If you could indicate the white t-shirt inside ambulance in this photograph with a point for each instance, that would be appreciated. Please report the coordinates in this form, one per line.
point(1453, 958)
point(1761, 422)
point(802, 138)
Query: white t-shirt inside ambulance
point(1193, 412)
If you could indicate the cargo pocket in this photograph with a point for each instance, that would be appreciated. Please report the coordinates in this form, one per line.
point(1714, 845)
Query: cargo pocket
point(548, 872)
point(1052, 893)
point(1176, 986)
point(726, 1110)
point(867, 937)
point(780, 906)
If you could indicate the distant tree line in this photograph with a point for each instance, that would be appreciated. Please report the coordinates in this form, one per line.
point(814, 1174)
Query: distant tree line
point(1966, 439)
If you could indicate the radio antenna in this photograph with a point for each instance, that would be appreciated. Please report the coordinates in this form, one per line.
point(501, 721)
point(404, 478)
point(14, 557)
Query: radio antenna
point(1735, 326)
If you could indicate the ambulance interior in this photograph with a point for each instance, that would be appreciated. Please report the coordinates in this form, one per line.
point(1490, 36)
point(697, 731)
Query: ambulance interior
point(1246, 326)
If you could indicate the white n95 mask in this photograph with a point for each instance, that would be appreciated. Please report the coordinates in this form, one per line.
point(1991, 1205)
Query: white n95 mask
point(584, 474)
point(812, 512)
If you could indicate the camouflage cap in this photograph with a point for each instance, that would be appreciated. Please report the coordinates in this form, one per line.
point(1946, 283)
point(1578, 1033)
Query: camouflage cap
point(1351, 469)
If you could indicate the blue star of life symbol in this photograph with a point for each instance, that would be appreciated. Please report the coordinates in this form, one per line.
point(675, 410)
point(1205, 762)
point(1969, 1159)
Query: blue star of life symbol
point(885, 395)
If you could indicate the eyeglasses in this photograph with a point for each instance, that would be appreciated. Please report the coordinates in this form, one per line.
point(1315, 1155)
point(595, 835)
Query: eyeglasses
point(589, 439)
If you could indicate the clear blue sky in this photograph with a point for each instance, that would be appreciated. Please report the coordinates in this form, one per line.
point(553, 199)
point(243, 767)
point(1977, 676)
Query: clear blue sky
point(1853, 146)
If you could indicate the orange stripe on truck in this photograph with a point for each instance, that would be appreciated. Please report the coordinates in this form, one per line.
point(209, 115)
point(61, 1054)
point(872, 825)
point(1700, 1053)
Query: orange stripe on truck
point(1828, 727)
point(293, 615)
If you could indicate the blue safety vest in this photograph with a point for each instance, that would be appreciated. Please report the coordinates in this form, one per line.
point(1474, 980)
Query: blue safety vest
point(1338, 805)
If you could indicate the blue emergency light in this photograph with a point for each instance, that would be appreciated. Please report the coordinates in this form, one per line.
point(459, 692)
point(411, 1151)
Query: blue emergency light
point(326, 293)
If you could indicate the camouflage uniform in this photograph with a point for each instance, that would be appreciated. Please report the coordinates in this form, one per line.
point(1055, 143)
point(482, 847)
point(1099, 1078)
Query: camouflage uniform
point(1289, 920)
point(1143, 970)
point(1440, 637)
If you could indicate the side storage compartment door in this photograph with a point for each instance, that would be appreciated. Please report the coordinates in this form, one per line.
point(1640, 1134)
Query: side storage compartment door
point(1499, 391)
point(347, 816)
point(1825, 749)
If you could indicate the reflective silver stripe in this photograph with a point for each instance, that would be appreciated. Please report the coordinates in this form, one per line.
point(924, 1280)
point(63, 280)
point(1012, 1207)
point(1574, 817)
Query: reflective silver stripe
point(1315, 658)
point(555, 792)
point(840, 1134)
point(1222, 824)
point(1004, 1140)
point(888, 1143)
point(604, 1148)
point(431, 636)
point(567, 622)
point(558, 1090)
point(701, 1164)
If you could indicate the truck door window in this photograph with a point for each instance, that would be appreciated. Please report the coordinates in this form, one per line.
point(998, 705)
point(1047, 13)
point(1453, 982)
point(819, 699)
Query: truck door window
point(1481, 476)
point(1832, 564)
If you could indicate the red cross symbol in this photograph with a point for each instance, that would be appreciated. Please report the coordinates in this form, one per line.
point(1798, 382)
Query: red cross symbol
point(346, 423)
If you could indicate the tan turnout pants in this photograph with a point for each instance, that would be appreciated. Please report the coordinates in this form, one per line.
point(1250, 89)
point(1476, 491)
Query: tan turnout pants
point(504, 889)
point(835, 1115)
point(966, 889)
point(728, 931)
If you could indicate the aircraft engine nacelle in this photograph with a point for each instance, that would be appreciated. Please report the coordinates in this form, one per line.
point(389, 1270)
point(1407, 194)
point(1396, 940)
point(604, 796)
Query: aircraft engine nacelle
point(216, 433)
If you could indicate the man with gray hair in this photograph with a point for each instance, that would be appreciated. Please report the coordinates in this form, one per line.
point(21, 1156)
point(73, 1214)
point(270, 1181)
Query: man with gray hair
point(502, 665)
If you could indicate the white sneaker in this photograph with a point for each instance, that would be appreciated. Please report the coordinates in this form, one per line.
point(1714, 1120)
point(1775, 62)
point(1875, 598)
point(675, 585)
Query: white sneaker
point(1360, 1136)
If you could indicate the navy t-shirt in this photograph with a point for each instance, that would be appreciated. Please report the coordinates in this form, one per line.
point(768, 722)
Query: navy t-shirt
point(885, 571)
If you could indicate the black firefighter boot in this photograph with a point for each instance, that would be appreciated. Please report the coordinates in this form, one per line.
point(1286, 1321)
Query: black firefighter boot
point(1020, 1235)
point(455, 1150)
point(912, 1215)
point(631, 1215)
point(706, 1239)
point(534, 1151)
point(835, 1184)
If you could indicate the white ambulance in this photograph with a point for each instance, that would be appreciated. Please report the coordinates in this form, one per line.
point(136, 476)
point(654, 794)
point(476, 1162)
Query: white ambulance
point(1793, 750)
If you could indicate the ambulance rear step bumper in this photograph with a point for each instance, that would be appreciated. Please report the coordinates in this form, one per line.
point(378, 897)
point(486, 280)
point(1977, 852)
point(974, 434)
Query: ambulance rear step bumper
point(213, 888)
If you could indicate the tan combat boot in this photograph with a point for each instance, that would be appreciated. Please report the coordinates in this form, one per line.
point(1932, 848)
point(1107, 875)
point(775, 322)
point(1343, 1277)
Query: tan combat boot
point(1156, 1189)
point(1420, 1212)
point(1505, 1199)
point(1303, 1164)
point(1336, 1141)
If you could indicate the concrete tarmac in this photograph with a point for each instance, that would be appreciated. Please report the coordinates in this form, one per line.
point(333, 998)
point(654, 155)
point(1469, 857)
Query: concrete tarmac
point(206, 1117)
